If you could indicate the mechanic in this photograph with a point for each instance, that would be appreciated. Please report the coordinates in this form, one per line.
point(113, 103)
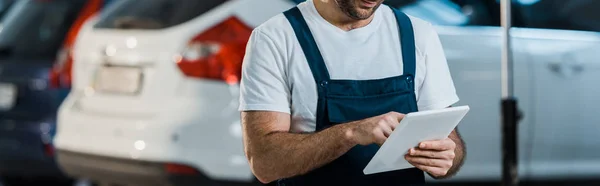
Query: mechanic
point(326, 82)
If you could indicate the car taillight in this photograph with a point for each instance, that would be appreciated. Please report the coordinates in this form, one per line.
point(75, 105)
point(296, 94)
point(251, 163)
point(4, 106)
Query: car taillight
point(178, 169)
point(60, 74)
point(218, 53)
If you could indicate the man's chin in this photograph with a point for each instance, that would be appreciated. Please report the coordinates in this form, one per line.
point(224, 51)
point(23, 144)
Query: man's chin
point(364, 14)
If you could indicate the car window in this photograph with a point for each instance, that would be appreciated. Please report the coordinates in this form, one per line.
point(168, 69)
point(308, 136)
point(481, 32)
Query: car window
point(450, 12)
point(561, 14)
point(33, 28)
point(550, 14)
point(154, 14)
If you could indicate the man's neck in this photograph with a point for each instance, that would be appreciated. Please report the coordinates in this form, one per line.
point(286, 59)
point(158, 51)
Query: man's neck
point(329, 10)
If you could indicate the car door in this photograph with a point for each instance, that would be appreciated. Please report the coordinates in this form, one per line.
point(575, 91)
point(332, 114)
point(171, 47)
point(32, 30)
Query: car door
point(567, 102)
point(566, 72)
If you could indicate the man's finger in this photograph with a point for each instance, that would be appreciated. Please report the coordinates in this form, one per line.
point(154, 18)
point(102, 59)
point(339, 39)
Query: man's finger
point(440, 163)
point(379, 136)
point(439, 145)
point(417, 152)
point(391, 122)
point(386, 128)
point(380, 141)
point(397, 116)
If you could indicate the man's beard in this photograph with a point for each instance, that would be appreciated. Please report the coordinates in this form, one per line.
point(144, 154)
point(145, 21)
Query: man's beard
point(351, 10)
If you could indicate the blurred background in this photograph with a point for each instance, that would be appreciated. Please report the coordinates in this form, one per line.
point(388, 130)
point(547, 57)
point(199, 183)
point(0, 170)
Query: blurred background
point(145, 92)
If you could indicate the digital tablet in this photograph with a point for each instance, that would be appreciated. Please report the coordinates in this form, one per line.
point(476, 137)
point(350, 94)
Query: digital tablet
point(414, 128)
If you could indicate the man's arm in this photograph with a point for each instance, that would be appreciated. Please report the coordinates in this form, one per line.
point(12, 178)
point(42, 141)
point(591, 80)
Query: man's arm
point(275, 153)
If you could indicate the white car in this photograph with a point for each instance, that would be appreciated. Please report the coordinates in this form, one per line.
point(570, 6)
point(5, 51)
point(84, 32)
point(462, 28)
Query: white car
point(155, 93)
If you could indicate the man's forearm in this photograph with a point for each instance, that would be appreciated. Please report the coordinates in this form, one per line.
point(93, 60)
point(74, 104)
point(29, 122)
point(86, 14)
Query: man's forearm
point(460, 153)
point(283, 154)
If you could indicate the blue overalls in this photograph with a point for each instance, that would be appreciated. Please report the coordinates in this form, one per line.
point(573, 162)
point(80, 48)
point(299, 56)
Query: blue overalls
point(342, 101)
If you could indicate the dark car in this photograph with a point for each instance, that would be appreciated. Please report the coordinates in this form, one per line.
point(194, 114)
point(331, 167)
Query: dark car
point(31, 34)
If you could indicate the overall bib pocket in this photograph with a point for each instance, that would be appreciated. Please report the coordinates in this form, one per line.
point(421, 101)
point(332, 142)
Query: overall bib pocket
point(347, 109)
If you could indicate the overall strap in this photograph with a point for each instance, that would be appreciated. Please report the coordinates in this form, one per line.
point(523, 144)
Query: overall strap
point(308, 44)
point(407, 42)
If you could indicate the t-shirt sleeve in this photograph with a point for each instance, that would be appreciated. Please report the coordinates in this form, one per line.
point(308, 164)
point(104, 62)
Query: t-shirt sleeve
point(437, 90)
point(263, 85)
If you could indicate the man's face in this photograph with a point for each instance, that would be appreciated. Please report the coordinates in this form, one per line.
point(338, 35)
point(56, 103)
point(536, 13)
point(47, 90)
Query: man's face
point(359, 9)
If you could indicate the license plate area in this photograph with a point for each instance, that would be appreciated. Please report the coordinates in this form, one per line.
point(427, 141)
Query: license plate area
point(8, 96)
point(118, 80)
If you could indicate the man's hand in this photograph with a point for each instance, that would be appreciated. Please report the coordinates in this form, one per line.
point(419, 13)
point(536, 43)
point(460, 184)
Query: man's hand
point(434, 157)
point(375, 129)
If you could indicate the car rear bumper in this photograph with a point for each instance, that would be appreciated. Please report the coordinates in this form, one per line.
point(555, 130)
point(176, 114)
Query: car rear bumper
point(191, 131)
point(126, 171)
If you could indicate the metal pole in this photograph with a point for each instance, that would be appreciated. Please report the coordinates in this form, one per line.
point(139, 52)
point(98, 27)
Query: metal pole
point(510, 114)
point(507, 64)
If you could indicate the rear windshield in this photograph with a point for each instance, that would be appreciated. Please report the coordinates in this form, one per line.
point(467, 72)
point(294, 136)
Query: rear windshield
point(154, 14)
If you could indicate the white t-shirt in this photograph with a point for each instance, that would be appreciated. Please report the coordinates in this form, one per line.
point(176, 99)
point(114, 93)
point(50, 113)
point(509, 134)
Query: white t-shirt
point(276, 76)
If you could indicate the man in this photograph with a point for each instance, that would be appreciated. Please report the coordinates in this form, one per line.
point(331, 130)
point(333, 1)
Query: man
point(325, 83)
